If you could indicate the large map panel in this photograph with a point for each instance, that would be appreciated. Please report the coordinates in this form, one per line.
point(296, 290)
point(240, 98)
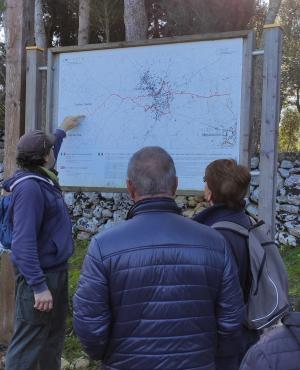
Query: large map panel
point(184, 97)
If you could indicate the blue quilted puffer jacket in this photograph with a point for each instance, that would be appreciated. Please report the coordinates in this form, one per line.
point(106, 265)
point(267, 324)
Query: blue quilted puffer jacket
point(157, 292)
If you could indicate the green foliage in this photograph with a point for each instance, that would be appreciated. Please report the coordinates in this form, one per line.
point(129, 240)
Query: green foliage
point(289, 131)
point(2, 5)
point(290, 20)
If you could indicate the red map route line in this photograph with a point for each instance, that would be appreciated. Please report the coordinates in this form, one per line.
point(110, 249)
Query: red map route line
point(162, 93)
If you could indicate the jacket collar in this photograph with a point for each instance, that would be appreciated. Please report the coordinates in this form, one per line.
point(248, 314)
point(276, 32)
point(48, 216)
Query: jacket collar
point(210, 214)
point(153, 205)
point(219, 212)
point(292, 319)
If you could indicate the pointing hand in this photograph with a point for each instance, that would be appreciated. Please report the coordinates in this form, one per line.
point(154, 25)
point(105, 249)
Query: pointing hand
point(70, 122)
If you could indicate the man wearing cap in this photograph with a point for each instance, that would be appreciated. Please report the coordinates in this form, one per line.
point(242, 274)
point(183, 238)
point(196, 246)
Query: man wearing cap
point(41, 245)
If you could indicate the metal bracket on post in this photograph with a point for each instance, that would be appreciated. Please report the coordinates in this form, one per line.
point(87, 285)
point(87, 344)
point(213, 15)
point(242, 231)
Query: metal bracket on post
point(258, 52)
point(269, 127)
point(33, 112)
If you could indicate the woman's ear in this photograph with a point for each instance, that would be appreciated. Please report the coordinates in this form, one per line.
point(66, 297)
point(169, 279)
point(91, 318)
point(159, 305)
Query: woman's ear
point(207, 194)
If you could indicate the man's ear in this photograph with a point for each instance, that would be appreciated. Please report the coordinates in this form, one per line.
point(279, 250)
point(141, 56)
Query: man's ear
point(130, 188)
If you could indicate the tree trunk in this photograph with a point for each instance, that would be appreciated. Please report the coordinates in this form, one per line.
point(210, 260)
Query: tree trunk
point(135, 19)
point(298, 99)
point(272, 13)
point(273, 10)
point(39, 26)
point(84, 20)
point(19, 34)
point(107, 22)
point(42, 43)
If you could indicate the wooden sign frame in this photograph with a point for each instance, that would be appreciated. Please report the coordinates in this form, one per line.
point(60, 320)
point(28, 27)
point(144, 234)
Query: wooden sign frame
point(246, 92)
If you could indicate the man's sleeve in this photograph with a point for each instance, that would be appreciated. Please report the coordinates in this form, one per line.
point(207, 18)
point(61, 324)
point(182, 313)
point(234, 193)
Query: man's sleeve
point(230, 305)
point(92, 316)
point(28, 209)
point(255, 359)
point(60, 135)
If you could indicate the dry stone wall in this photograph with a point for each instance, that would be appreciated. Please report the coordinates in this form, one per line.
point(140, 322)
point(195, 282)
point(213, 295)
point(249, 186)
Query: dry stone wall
point(287, 200)
point(93, 212)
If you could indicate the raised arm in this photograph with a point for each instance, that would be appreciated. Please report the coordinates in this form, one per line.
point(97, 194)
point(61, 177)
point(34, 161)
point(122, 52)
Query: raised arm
point(68, 123)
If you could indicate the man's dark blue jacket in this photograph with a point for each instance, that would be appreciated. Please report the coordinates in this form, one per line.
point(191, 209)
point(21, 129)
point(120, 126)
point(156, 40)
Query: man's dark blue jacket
point(156, 292)
point(42, 229)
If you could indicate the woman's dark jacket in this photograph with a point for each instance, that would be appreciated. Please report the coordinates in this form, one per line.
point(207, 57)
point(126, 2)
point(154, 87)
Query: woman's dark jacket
point(156, 292)
point(238, 246)
point(237, 243)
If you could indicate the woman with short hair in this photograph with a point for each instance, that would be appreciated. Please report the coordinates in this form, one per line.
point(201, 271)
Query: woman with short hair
point(226, 185)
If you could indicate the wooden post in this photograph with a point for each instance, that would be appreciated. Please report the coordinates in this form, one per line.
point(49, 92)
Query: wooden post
point(246, 108)
point(34, 115)
point(269, 126)
point(19, 33)
point(7, 302)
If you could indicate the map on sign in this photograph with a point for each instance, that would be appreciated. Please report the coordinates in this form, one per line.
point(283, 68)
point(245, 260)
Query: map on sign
point(184, 97)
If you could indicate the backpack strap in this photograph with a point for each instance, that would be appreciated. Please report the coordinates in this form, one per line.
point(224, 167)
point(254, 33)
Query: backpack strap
point(232, 226)
point(48, 181)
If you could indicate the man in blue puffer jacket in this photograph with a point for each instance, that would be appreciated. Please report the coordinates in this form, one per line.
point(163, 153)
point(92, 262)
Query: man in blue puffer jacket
point(159, 290)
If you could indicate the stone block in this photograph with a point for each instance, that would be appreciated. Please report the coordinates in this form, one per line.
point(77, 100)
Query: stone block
point(286, 164)
point(289, 208)
point(254, 178)
point(254, 163)
point(293, 180)
point(286, 239)
point(284, 172)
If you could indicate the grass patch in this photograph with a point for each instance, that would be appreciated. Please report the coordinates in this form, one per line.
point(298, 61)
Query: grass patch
point(291, 257)
point(72, 348)
point(75, 264)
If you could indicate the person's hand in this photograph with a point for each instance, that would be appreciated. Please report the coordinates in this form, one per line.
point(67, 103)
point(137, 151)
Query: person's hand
point(70, 122)
point(43, 301)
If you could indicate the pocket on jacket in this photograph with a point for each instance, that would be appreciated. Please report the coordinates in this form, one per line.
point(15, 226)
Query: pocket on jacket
point(24, 307)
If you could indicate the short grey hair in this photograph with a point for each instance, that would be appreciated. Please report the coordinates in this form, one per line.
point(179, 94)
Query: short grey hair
point(152, 171)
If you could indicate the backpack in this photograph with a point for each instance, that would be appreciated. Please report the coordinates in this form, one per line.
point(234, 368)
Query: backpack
point(268, 297)
point(6, 226)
